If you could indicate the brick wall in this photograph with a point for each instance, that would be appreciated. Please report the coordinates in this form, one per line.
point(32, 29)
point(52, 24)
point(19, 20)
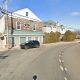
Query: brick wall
point(25, 24)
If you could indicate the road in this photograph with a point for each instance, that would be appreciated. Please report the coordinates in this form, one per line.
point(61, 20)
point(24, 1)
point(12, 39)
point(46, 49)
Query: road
point(49, 62)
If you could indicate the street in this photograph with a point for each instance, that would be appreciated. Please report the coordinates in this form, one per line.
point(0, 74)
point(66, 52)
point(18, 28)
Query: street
point(49, 62)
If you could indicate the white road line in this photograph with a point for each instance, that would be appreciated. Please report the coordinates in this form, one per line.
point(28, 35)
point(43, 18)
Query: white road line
point(65, 78)
point(61, 67)
point(66, 69)
point(60, 60)
point(60, 56)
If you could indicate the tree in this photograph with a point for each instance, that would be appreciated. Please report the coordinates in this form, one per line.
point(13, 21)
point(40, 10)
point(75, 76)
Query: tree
point(51, 37)
point(69, 36)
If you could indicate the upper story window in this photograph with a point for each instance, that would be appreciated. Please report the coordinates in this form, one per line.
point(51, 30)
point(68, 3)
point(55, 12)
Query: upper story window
point(33, 26)
point(18, 25)
point(26, 13)
point(25, 24)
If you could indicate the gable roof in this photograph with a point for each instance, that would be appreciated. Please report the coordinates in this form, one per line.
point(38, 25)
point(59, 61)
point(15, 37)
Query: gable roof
point(22, 14)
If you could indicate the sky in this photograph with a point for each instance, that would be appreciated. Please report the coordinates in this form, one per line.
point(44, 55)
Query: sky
point(66, 12)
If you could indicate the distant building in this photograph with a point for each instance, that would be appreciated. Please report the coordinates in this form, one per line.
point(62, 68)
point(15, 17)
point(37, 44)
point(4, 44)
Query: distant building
point(55, 27)
point(70, 29)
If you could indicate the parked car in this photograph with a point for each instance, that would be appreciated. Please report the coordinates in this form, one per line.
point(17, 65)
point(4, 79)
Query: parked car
point(30, 44)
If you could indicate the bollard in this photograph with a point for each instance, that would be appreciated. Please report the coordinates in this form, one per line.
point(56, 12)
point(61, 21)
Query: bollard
point(34, 77)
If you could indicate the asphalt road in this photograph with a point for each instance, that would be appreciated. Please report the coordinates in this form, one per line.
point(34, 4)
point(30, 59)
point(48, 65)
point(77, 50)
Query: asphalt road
point(72, 61)
point(49, 62)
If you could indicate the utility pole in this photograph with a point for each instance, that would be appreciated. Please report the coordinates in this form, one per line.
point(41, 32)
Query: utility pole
point(7, 27)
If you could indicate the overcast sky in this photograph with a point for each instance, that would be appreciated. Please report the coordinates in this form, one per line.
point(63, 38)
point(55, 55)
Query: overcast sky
point(66, 12)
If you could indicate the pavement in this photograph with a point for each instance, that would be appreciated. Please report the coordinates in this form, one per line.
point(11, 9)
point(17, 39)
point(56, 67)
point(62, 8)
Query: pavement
point(22, 64)
point(6, 49)
point(72, 58)
point(3, 49)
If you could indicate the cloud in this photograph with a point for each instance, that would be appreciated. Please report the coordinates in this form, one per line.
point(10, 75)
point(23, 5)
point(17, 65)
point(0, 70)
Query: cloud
point(75, 14)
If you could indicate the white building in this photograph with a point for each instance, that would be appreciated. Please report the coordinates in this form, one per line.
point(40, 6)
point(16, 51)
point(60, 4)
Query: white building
point(56, 28)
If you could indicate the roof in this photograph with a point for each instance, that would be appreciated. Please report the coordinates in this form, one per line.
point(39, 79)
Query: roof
point(22, 14)
point(24, 32)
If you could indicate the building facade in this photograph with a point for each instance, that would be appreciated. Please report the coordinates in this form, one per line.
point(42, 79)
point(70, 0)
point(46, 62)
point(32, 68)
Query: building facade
point(23, 25)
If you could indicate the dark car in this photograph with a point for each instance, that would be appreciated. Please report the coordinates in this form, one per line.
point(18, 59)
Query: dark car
point(30, 44)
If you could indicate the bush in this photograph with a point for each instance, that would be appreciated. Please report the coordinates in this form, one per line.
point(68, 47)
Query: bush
point(51, 37)
point(69, 36)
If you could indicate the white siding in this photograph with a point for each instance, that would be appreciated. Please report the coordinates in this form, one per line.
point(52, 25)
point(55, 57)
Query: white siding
point(54, 29)
point(47, 29)
point(22, 13)
point(2, 24)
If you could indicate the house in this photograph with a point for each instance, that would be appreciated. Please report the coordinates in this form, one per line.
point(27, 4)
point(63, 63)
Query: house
point(55, 27)
point(24, 25)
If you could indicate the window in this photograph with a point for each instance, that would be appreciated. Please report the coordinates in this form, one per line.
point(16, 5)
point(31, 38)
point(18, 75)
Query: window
point(18, 26)
point(25, 24)
point(26, 13)
point(33, 26)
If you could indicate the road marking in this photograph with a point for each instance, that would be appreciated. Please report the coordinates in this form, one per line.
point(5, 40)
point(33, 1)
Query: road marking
point(60, 60)
point(61, 67)
point(60, 56)
point(65, 78)
point(66, 69)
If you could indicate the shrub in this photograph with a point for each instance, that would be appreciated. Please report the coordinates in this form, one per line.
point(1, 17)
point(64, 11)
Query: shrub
point(69, 36)
point(51, 37)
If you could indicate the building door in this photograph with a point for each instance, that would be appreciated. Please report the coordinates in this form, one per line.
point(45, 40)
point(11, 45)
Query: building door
point(22, 39)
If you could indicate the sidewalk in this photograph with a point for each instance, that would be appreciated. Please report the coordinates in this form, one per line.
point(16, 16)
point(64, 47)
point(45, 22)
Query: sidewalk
point(3, 49)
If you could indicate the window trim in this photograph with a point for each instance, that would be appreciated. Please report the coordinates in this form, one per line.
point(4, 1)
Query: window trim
point(16, 25)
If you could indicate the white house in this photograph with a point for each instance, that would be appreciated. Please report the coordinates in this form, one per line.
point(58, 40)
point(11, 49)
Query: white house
point(56, 28)
point(70, 29)
point(2, 29)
